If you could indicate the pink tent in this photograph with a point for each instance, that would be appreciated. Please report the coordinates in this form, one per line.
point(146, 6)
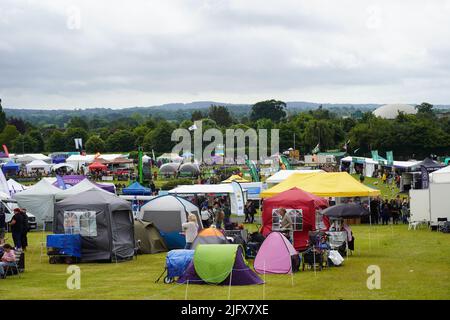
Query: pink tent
point(275, 255)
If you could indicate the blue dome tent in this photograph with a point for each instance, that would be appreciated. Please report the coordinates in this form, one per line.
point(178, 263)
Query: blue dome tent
point(136, 189)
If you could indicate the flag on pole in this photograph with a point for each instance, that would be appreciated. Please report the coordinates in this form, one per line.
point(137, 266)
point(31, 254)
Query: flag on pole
point(193, 127)
point(78, 143)
point(60, 182)
point(346, 145)
point(316, 149)
point(6, 150)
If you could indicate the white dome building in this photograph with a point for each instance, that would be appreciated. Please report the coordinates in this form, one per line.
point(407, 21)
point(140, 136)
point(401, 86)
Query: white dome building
point(390, 111)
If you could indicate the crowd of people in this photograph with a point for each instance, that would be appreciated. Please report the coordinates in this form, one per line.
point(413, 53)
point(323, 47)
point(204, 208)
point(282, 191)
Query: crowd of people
point(385, 211)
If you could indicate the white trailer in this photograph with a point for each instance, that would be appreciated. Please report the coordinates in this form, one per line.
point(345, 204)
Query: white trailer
point(419, 205)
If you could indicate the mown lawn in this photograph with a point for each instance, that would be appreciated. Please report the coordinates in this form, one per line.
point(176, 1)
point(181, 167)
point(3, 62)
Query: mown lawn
point(414, 265)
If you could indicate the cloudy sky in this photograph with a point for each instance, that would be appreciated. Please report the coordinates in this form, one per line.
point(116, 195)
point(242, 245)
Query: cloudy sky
point(67, 54)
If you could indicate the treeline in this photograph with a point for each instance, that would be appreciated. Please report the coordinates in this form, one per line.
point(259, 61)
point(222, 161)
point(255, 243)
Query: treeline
point(408, 135)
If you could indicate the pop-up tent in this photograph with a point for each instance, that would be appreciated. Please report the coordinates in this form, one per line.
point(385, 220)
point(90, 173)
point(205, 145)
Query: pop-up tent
point(15, 187)
point(38, 200)
point(68, 181)
point(209, 236)
point(441, 175)
point(222, 264)
point(66, 166)
point(168, 213)
point(38, 165)
point(136, 189)
point(80, 187)
point(236, 178)
point(104, 221)
point(97, 166)
point(11, 167)
point(275, 255)
point(301, 206)
point(333, 184)
point(149, 238)
point(429, 164)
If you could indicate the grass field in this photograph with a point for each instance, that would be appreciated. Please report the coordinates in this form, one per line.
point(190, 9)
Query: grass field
point(414, 265)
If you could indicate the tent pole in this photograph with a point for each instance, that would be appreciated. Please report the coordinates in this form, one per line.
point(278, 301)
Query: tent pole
point(186, 292)
point(370, 226)
point(264, 284)
point(229, 284)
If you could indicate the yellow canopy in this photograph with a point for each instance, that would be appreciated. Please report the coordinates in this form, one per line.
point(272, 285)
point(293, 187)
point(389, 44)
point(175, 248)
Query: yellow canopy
point(236, 178)
point(333, 184)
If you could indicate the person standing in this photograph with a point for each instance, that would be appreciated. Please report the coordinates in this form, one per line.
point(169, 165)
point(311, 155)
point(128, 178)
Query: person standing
point(252, 211)
point(286, 224)
point(385, 213)
point(218, 215)
point(26, 228)
point(190, 229)
point(375, 210)
point(17, 228)
point(247, 212)
point(2, 225)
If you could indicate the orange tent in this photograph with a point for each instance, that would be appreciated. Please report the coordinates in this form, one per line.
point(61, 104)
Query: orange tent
point(97, 166)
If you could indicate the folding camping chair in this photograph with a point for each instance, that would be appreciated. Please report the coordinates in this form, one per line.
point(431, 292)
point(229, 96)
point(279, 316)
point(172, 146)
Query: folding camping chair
point(317, 252)
point(14, 267)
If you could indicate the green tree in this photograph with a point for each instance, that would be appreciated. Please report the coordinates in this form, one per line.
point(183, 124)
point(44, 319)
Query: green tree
point(57, 142)
point(121, 141)
point(264, 124)
point(37, 136)
point(269, 109)
point(2, 117)
point(8, 134)
point(24, 144)
point(74, 133)
point(159, 139)
point(140, 133)
point(220, 115)
point(319, 131)
point(78, 122)
point(196, 115)
point(425, 108)
point(95, 144)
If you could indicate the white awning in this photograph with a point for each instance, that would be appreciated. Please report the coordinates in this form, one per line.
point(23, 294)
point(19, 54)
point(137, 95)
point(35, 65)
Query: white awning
point(203, 189)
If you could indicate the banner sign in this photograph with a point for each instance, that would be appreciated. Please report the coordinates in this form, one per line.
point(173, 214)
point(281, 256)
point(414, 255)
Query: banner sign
point(239, 198)
point(390, 158)
point(425, 177)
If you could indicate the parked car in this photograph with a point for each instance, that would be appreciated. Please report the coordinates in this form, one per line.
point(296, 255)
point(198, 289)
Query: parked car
point(9, 205)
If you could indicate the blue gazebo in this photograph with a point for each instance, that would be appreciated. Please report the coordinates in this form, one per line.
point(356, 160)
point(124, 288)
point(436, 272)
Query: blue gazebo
point(136, 189)
point(11, 167)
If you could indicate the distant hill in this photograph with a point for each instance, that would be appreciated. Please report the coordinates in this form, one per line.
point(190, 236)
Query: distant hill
point(173, 111)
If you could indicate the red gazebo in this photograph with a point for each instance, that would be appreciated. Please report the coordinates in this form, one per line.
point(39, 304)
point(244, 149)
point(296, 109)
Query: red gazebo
point(304, 203)
point(97, 166)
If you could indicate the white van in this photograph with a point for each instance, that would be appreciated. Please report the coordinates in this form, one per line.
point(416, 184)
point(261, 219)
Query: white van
point(8, 205)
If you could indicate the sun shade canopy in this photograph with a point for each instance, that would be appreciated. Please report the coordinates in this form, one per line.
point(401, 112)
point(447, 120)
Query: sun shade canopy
point(236, 178)
point(334, 184)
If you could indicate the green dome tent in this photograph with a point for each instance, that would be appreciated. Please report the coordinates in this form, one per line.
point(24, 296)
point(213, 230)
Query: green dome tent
point(219, 264)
